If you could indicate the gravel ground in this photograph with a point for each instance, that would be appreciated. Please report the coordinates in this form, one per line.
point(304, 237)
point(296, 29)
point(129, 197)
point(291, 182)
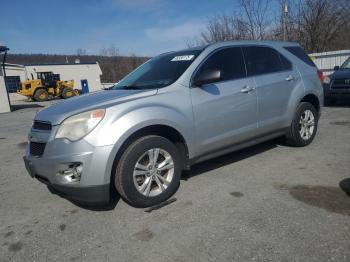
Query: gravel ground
point(269, 202)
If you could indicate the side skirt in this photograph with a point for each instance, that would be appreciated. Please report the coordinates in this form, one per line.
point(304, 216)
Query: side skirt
point(236, 147)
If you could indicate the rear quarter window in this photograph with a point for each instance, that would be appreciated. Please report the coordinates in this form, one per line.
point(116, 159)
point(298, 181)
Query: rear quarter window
point(299, 53)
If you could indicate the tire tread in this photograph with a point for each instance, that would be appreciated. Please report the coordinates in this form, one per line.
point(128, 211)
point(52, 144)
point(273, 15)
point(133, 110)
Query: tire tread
point(293, 137)
point(120, 170)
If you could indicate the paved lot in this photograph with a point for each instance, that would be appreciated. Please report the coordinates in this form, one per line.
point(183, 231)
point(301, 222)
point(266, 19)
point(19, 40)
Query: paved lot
point(266, 203)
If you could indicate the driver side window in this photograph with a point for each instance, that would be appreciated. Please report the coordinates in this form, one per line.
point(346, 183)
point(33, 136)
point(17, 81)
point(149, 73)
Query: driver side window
point(229, 61)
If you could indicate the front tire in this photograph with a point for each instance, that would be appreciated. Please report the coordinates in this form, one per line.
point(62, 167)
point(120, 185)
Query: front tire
point(41, 95)
point(148, 172)
point(304, 125)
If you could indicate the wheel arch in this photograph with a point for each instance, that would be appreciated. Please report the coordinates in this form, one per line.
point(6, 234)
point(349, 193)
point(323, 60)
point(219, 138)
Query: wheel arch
point(163, 130)
point(312, 99)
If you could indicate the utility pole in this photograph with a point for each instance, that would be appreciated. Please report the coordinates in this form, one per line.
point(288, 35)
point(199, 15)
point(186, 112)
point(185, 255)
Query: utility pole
point(284, 19)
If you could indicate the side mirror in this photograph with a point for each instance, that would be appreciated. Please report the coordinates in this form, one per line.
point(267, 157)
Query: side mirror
point(207, 77)
point(336, 68)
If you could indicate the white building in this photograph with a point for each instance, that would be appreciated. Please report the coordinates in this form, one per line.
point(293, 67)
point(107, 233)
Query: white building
point(4, 102)
point(77, 72)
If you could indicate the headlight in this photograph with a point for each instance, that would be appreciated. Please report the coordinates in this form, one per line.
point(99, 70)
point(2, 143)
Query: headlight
point(77, 126)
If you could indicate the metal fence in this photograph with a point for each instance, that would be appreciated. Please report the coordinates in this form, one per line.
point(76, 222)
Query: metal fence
point(326, 61)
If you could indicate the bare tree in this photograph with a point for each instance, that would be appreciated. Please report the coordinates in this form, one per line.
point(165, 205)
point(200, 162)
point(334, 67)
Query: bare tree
point(109, 51)
point(323, 21)
point(220, 28)
point(112, 50)
point(255, 17)
point(81, 51)
point(103, 51)
point(134, 61)
point(250, 22)
point(319, 25)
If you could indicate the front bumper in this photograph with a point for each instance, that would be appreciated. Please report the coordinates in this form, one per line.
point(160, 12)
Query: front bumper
point(60, 155)
point(99, 194)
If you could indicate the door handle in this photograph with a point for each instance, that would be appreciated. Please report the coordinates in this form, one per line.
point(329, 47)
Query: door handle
point(289, 78)
point(247, 89)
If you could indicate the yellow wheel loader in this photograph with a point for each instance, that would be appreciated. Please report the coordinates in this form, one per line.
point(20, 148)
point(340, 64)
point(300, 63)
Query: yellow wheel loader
point(47, 85)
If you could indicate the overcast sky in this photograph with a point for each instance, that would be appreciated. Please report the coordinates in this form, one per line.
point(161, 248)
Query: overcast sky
point(143, 27)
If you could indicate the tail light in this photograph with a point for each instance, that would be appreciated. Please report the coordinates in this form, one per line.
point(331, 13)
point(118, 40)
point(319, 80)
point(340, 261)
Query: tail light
point(320, 76)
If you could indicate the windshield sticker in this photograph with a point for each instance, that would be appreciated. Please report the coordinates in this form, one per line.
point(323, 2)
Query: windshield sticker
point(183, 58)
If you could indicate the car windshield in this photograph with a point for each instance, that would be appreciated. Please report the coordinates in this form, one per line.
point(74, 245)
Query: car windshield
point(346, 64)
point(159, 71)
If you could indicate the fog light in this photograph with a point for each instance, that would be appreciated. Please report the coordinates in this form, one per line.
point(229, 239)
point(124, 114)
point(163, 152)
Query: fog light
point(72, 173)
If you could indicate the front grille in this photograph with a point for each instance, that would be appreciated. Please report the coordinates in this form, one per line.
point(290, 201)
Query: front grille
point(42, 125)
point(342, 83)
point(37, 149)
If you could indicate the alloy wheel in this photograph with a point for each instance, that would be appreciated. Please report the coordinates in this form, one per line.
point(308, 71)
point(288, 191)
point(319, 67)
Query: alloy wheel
point(306, 124)
point(153, 172)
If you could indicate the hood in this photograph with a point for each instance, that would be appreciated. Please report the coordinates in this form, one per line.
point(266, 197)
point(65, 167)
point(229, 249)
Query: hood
point(341, 73)
point(56, 113)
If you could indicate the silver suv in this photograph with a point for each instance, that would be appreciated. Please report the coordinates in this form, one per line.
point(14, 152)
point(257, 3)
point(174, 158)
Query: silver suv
point(177, 109)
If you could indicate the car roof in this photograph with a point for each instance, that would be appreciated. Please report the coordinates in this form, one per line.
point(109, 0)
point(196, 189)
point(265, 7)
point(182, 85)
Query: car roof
point(243, 42)
point(237, 43)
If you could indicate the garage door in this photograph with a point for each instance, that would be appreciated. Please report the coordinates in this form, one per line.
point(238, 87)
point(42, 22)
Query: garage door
point(13, 83)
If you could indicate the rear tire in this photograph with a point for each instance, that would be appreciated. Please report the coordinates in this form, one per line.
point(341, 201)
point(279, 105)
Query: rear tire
point(148, 172)
point(41, 95)
point(67, 93)
point(304, 125)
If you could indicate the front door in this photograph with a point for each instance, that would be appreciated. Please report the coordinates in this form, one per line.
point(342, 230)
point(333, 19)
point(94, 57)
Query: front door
point(225, 112)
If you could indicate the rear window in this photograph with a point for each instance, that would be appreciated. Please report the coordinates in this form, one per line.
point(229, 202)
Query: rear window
point(299, 53)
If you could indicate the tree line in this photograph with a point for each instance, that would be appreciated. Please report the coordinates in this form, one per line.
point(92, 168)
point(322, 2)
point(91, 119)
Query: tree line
point(114, 67)
point(317, 25)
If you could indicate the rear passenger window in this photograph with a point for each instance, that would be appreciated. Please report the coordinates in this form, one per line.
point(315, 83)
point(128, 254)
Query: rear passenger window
point(287, 65)
point(229, 61)
point(264, 60)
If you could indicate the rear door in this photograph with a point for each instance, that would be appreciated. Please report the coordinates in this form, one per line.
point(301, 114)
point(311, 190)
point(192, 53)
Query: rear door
point(275, 81)
point(225, 112)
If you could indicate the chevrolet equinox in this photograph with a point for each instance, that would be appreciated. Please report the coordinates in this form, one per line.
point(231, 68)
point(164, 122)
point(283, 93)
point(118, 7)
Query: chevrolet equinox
point(176, 109)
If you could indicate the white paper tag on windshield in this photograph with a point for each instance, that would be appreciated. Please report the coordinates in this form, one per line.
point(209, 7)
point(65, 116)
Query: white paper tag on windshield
point(183, 58)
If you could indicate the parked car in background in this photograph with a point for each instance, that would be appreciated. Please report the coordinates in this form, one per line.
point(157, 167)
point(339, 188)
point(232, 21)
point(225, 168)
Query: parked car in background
point(337, 85)
point(177, 109)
